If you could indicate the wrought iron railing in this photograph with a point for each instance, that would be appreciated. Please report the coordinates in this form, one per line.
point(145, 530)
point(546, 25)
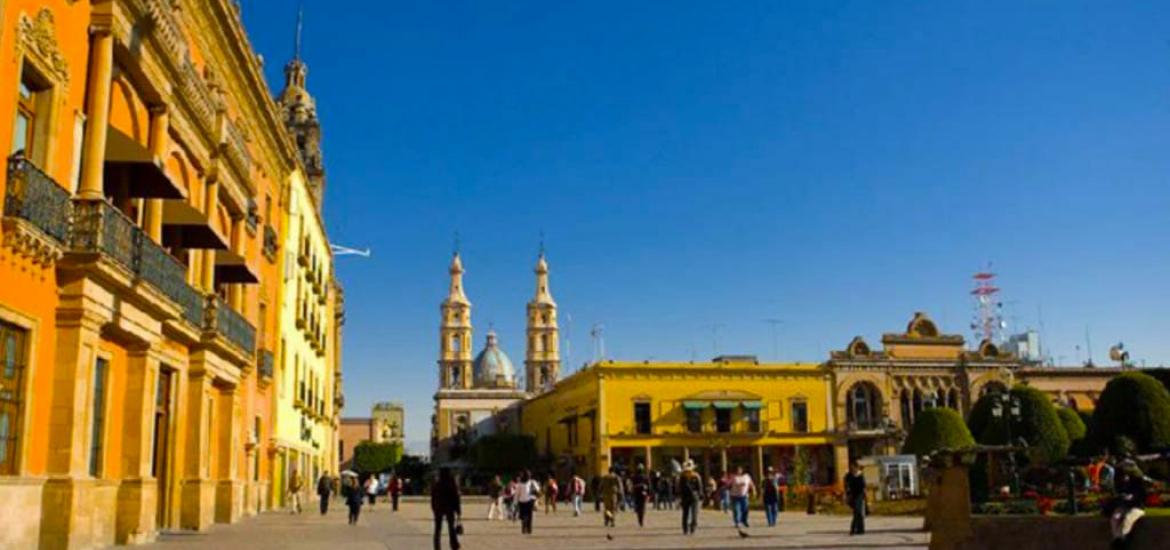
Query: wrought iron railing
point(100, 227)
point(33, 196)
point(265, 363)
point(233, 326)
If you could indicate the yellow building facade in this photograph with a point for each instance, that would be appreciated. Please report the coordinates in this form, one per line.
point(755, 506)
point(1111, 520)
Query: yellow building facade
point(141, 289)
point(730, 412)
point(306, 417)
point(735, 411)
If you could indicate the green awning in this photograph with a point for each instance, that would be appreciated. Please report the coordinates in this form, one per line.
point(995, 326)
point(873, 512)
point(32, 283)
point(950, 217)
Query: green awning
point(752, 405)
point(695, 405)
point(725, 404)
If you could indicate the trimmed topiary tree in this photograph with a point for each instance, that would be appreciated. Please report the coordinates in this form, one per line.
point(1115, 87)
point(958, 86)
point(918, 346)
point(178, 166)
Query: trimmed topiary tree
point(375, 458)
point(503, 453)
point(1039, 425)
point(936, 429)
point(1073, 425)
point(1134, 405)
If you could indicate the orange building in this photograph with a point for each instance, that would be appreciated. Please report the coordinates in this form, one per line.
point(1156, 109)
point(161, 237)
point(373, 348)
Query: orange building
point(139, 270)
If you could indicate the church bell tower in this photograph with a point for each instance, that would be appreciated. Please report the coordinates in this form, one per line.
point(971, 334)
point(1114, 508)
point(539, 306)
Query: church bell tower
point(455, 333)
point(542, 363)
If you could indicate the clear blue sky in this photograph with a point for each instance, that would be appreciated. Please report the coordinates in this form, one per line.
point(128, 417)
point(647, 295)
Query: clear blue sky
point(836, 165)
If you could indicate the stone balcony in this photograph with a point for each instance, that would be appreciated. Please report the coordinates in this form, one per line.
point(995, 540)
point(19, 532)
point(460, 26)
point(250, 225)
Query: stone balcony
point(37, 213)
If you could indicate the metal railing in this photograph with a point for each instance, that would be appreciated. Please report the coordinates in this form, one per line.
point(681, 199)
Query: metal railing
point(100, 227)
point(232, 325)
point(33, 196)
point(265, 363)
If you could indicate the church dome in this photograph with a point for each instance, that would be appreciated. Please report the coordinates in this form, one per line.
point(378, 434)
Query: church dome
point(492, 368)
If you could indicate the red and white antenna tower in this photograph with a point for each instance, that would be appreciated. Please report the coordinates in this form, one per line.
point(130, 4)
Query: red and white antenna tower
point(987, 324)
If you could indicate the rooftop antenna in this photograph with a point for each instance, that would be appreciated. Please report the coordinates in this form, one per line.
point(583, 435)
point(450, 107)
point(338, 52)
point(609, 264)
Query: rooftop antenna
point(598, 335)
point(456, 252)
point(715, 336)
point(1088, 347)
point(987, 323)
point(773, 323)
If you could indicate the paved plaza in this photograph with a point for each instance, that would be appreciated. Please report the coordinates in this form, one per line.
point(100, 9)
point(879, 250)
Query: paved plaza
point(410, 529)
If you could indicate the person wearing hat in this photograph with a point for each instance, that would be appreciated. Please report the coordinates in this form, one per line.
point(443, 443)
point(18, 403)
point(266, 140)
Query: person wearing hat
point(690, 493)
point(611, 493)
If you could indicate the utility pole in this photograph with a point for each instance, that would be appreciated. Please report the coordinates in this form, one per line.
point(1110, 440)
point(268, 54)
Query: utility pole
point(772, 324)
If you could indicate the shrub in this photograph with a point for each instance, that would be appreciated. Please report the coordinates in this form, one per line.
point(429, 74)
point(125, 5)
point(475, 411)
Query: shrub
point(1136, 406)
point(937, 429)
point(503, 453)
point(1039, 425)
point(375, 458)
point(1073, 425)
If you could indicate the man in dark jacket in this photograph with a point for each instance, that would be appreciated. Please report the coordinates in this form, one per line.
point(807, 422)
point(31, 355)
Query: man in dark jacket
point(855, 496)
point(445, 504)
point(324, 490)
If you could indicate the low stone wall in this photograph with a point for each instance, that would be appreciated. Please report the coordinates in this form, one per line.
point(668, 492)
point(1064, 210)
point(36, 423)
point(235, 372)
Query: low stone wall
point(1053, 532)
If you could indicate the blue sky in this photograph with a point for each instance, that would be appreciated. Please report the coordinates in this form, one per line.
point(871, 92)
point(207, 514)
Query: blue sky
point(835, 165)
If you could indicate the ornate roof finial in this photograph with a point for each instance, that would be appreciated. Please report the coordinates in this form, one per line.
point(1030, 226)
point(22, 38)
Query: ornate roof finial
point(456, 251)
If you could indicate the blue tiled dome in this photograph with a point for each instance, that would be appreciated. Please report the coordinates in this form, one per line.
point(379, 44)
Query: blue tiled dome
point(492, 368)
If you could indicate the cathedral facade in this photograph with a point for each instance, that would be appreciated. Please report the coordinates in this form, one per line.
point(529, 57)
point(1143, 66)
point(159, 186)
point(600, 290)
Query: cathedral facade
point(481, 396)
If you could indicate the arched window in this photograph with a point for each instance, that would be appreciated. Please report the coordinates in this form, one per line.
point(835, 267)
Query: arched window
point(907, 410)
point(953, 399)
point(456, 343)
point(544, 342)
point(863, 406)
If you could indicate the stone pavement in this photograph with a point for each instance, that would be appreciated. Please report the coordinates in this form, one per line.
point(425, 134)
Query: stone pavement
point(410, 529)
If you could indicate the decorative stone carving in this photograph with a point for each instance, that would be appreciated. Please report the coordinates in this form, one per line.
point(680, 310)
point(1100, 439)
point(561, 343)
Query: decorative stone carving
point(26, 240)
point(37, 38)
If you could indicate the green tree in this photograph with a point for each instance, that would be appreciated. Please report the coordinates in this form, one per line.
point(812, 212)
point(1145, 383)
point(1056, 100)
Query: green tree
point(503, 453)
point(375, 458)
point(936, 429)
point(1038, 424)
point(1134, 405)
point(1073, 425)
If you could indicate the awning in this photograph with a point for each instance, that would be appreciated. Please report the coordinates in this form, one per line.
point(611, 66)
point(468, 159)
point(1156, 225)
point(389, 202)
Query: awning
point(186, 227)
point(128, 161)
point(696, 405)
point(752, 404)
point(725, 404)
point(233, 268)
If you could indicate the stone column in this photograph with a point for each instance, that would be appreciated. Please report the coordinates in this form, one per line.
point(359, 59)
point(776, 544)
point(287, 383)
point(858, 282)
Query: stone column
point(138, 493)
point(649, 454)
point(228, 488)
point(159, 139)
point(101, 70)
point(237, 238)
point(211, 206)
point(840, 462)
point(723, 459)
point(198, 497)
point(758, 464)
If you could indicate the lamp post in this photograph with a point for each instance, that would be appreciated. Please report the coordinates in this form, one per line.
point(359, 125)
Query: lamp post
point(1007, 405)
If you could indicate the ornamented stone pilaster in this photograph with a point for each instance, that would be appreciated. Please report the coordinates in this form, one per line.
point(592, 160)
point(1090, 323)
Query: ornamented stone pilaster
point(26, 240)
point(36, 38)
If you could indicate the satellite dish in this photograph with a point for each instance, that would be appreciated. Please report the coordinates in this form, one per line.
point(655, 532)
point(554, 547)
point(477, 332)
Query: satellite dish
point(1118, 353)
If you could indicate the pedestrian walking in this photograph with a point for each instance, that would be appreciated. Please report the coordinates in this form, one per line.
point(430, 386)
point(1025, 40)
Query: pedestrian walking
point(353, 499)
point(855, 496)
point(610, 490)
point(577, 493)
point(1128, 505)
point(371, 489)
point(527, 491)
point(740, 491)
point(640, 489)
point(510, 498)
point(495, 493)
point(295, 484)
point(725, 492)
point(324, 490)
point(446, 506)
point(691, 494)
point(771, 496)
point(710, 492)
point(395, 490)
point(595, 489)
point(551, 489)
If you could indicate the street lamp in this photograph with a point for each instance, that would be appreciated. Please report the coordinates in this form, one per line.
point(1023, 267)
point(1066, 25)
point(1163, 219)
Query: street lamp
point(1009, 404)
